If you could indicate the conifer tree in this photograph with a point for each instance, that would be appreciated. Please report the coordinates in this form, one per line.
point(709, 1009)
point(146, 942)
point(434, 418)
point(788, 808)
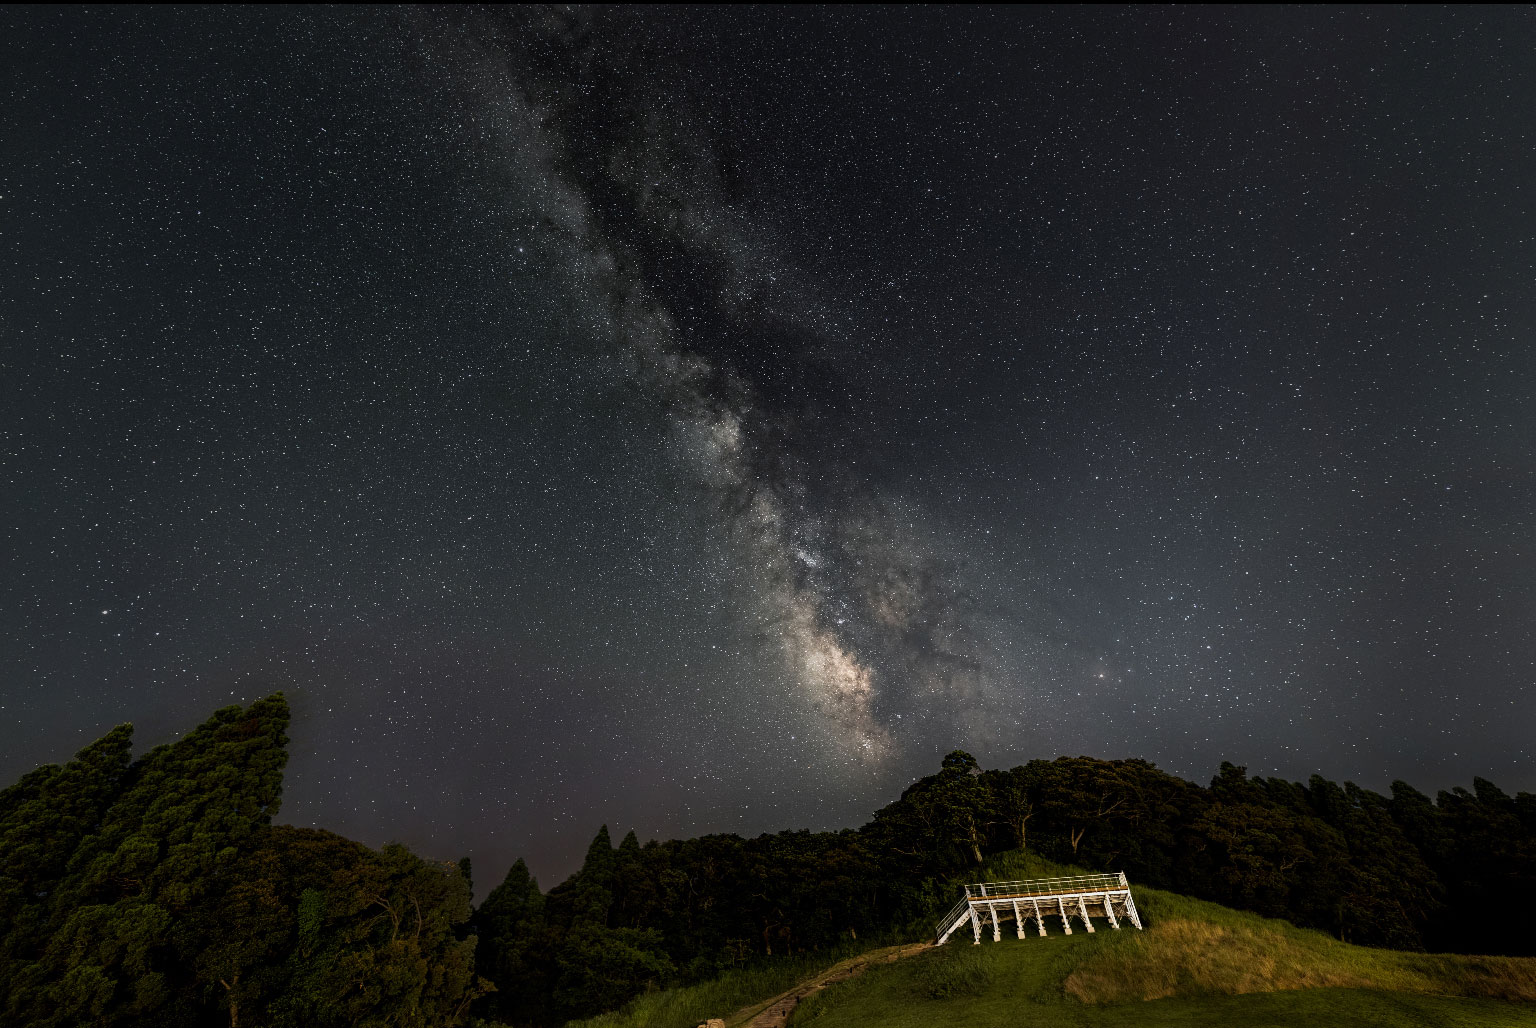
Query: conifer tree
point(634, 891)
point(597, 965)
point(43, 819)
point(512, 942)
point(593, 894)
point(186, 813)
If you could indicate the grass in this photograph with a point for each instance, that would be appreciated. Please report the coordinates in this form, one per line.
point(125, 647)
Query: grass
point(1197, 963)
point(1193, 948)
point(727, 994)
point(1020, 983)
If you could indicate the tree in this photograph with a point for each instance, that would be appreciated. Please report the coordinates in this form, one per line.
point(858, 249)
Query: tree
point(598, 965)
point(512, 938)
point(235, 938)
point(1256, 850)
point(1081, 792)
point(1489, 870)
point(591, 890)
point(963, 801)
point(43, 819)
point(185, 814)
point(1015, 799)
point(600, 968)
point(1393, 892)
point(940, 818)
point(375, 938)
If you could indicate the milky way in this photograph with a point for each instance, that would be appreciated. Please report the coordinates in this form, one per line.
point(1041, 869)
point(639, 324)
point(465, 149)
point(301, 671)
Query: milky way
point(632, 191)
point(704, 419)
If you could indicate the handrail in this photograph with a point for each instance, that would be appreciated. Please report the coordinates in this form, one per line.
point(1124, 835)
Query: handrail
point(951, 917)
point(1041, 886)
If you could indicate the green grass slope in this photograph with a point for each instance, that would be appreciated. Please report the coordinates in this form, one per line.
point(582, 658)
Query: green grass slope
point(732, 995)
point(1196, 963)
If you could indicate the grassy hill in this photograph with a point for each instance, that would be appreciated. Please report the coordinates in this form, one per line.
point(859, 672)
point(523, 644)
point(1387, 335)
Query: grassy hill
point(1196, 963)
point(747, 989)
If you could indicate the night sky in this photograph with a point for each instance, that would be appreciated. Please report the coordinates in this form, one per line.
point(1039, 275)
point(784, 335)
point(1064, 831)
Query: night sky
point(703, 420)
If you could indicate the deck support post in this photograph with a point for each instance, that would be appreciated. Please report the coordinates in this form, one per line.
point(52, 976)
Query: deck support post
point(1061, 908)
point(1039, 921)
point(1082, 909)
point(1018, 921)
point(997, 933)
point(1109, 912)
point(975, 927)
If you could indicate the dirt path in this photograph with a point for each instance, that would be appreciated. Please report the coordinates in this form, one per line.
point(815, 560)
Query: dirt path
point(775, 1012)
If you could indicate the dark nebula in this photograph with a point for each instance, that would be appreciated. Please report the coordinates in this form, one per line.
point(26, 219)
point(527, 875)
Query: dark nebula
point(702, 419)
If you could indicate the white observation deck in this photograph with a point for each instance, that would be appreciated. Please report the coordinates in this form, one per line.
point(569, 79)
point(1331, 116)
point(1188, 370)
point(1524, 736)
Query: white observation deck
point(1081, 896)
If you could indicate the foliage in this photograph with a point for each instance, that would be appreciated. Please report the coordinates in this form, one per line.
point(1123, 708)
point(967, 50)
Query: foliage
point(43, 820)
point(1356, 865)
point(159, 892)
point(509, 927)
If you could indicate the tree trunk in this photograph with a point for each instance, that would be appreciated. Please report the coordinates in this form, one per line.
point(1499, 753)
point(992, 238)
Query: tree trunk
point(768, 937)
point(234, 1006)
point(1077, 837)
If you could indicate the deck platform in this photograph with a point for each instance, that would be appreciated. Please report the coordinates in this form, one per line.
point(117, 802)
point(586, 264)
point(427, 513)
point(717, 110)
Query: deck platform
point(1081, 897)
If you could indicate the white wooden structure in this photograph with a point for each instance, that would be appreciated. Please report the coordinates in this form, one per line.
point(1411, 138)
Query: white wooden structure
point(1082, 897)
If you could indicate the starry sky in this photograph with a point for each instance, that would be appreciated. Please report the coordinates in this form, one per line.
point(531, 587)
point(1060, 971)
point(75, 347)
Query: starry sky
point(703, 419)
